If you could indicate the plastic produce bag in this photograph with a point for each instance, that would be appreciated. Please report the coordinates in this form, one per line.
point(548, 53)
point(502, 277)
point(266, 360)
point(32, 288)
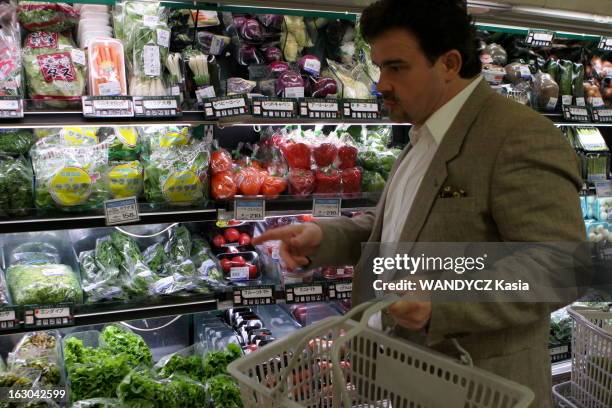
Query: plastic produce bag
point(55, 79)
point(39, 16)
point(187, 362)
point(10, 52)
point(34, 253)
point(97, 403)
point(39, 351)
point(125, 179)
point(43, 42)
point(178, 175)
point(43, 284)
point(354, 82)
point(223, 392)
point(15, 142)
point(124, 143)
point(546, 91)
point(16, 178)
point(137, 278)
point(211, 44)
point(100, 283)
point(70, 177)
point(151, 47)
point(494, 54)
point(198, 65)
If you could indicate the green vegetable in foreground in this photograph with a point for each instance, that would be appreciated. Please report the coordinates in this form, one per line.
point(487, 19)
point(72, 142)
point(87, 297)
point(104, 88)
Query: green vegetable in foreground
point(223, 392)
point(43, 284)
point(123, 341)
point(16, 193)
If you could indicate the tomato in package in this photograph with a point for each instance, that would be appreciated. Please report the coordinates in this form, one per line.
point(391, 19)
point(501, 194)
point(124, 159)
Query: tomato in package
point(347, 156)
point(250, 181)
point(325, 154)
point(220, 161)
point(297, 155)
point(301, 182)
point(273, 186)
point(351, 181)
point(327, 181)
point(223, 186)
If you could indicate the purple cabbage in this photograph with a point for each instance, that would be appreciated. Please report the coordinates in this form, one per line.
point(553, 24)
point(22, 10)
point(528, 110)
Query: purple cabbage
point(288, 79)
point(322, 87)
point(274, 21)
point(251, 31)
point(309, 64)
point(278, 67)
point(248, 54)
point(273, 54)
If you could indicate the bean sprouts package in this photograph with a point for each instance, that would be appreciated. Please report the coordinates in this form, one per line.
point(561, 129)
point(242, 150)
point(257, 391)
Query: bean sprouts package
point(55, 78)
point(70, 177)
point(10, 52)
point(43, 284)
point(40, 16)
point(16, 191)
point(178, 175)
point(40, 351)
point(106, 68)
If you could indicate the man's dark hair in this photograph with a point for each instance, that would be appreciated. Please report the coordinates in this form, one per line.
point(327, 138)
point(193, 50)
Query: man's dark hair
point(439, 26)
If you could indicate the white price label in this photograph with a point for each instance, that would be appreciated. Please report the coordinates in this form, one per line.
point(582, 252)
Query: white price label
point(159, 103)
point(323, 106)
point(364, 107)
point(121, 211)
point(110, 88)
point(239, 273)
point(603, 189)
point(249, 210)
point(257, 293)
point(580, 102)
point(344, 287)
point(547, 37)
point(597, 102)
point(308, 290)
point(294, 92)
point(552, 103)
point(312, 66)
point(579, 112)
point(152, 61)
point(558, 350)
point(7, 315)
point(78, 56)
point(208, 92)
point(52, 312)
point(175, 90)
point(326, 207)
point(150, 20)
point(229, 104)
point(9, 104)
point(111, 104)
point(216, 45)
point(277, 105)
point(567, 99)
point(163, 37)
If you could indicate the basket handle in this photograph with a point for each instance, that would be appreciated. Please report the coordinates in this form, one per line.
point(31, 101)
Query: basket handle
point(306, 334)
point(369, 309)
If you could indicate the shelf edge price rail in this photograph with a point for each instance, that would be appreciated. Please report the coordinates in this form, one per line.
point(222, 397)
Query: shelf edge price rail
point(216, 108)
point(9, 318)
point(48, 315)
point(340, 290)
point(601, 114)
point(157, 106)
point(304, 293)
point(575, 113)
point(11, 107)
point(539, 38)
point(312, 108)
point(274, 108)
point(254, 295)
point(326, 207)
point(249, 209)
point(108, 106)
point(361, 109)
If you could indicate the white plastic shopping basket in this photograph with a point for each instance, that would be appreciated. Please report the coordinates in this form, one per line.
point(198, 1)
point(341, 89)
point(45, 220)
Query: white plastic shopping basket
point(339, 362)
point(591, 381)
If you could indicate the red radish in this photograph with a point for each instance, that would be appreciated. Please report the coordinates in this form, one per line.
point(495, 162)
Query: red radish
point(244, 239)
point(218, 241)
point(231, 235)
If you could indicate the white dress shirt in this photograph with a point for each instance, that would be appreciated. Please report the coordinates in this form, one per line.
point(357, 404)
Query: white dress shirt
point(409, 176)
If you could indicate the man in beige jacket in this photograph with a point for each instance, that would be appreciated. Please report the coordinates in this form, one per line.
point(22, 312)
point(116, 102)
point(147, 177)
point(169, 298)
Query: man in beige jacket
point(519, 175)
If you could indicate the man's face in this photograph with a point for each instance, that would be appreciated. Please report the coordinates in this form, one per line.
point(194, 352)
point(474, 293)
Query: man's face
point(411, 86)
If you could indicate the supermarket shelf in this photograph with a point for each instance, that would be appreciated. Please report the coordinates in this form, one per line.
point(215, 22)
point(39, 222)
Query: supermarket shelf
point(255, 121)
point(86, 315)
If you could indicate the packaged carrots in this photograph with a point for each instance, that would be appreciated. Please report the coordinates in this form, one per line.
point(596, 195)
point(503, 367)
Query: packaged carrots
point(106, 67)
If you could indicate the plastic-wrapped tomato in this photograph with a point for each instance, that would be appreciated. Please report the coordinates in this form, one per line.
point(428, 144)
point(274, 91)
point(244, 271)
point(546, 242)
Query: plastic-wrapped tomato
point(273, 186)
point(301, 182)
point(222, 186)
point(351, 181)
point(347, 156)
point(220, 160)
point(250, 181)
point(327, 182)
point(297, 155)
point(325, 154)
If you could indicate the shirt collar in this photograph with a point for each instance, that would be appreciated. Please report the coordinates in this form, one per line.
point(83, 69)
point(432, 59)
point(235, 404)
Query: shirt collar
point(442, 119)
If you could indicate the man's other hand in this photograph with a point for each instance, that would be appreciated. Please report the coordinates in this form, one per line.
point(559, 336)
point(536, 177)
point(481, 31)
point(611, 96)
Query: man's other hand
point(298, 242)
point(411, 315)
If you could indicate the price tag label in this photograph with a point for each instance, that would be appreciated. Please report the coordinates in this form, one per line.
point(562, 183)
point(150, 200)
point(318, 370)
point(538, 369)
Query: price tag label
point(239, 273)
point(320, 109)
point(361, 109)
point(326, 207)
point(274, 108)
point(9, 318)
point(603, 189)
point(575, 113)
point(215, 108)
point(340, 290)
point(605, 44)
point(540, 38)
point(157, 106)
point(11, 107)
point(254, 295)
point(304, 293)
point(108, 107)
point(121, 211)
point(48, 316)
point(602, 115)
point(249, 209)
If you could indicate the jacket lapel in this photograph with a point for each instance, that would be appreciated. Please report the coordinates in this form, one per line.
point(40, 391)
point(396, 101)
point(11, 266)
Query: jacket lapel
point(437, 172)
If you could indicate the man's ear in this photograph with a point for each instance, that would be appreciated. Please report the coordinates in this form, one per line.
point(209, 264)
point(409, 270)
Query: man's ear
point(452, 62)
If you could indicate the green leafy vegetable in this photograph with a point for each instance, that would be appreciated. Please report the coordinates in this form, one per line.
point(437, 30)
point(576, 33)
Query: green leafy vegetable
point(155, 257)
point(179, 245)
point(191, 366)
point(38, 351)
point(215, 362)
point(16, 180)
point(40, 16)
point(122, 341)
point(43, 284)
point(223, 392)
point(15, 142)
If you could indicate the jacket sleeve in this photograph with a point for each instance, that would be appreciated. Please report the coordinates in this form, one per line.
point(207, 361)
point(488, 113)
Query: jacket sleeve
point(534, 198)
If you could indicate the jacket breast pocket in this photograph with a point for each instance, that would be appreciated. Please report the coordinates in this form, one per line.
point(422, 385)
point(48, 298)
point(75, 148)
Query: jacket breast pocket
point(454, 205)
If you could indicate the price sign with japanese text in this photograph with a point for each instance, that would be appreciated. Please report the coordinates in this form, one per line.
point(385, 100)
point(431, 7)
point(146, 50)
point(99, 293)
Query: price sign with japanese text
point(340, 290)
point(157, 106)
point(215, 108)
point(249, 209)
point(304, 293)
point(48, 316)
point(254, 295)
point(274, 108)
point(121, 211)
point(11, 107)
point(326, 207)
point(320, 109)
point(108, 106)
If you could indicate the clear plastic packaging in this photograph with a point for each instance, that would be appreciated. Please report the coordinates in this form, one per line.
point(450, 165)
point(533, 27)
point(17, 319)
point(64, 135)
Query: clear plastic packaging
point(34, 253)
point(198, 65)
point(15, 142)
point(43, 284)
point(40, 16)
point(39, 351)
point(97, 403)
point(10, 52)
point(99, 283)
point(546, 92)
point(125, 179)
point(106, 68)
point(494, 54)
point(16, 181)
point(211, 44)
point(354, 82)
